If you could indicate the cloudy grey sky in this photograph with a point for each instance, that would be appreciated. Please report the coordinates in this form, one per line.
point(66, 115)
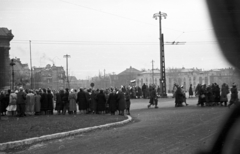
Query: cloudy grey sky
point(110, 34)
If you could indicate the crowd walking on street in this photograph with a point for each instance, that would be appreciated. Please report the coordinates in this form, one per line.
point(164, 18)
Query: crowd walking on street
point(211, 95)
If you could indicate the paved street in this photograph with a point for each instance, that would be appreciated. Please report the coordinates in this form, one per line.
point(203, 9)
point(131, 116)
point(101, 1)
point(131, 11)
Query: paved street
point(164, 130)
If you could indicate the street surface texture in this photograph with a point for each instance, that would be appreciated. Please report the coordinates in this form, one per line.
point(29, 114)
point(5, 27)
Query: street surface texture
point(164, 130)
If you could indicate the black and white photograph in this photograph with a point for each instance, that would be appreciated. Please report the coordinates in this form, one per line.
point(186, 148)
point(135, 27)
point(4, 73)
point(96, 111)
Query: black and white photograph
point(119, 76)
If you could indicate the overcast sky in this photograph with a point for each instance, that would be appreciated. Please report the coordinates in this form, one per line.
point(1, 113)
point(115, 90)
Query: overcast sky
point(110, 34)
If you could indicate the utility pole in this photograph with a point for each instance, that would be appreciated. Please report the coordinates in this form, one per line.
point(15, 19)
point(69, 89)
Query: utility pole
point(152, 72)
point(162, 56)
point(67, 56)
point(105, 82)
point(31, 78)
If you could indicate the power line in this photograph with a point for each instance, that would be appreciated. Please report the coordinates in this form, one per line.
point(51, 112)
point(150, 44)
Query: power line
point(115, 15)
point(103, 42)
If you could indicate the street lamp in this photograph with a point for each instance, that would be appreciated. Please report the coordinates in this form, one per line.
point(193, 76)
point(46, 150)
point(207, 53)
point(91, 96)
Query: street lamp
point(162, 56)
point(12, 64)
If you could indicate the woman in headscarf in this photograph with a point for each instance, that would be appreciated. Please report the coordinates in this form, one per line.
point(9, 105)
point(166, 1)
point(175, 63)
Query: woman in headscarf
point(12, 107)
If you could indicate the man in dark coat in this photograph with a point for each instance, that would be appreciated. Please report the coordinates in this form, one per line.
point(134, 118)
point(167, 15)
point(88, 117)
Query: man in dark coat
point(82, 100)
point(112, 101)
point(21, 102)
point(44, 102)
point(101, 102)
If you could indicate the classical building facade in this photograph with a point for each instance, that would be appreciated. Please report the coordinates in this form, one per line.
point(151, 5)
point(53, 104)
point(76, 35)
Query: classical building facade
point(186, 77)
point(5, 37)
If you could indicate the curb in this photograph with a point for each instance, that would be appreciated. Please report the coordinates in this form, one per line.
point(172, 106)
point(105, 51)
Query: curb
point(14, 144)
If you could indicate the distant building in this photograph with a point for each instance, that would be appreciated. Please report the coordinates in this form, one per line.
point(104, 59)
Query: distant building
point(5, 37)
point(52, 77)
point(185, 77)
point(125, 77)
point(21, 74)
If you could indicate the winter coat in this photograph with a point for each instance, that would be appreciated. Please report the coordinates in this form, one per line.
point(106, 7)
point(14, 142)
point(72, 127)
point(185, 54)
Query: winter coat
point(59, 101)
point(224, 92)
point(112, 101)
point(234, 94)
point(121, 101)
point(82, 100)
point(101, 102)
point(72, 102)
point(37, 105)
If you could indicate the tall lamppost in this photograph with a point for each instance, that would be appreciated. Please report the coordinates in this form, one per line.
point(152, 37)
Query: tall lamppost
point(12, 64)
point(31, 74)
point(162, 56)
point(67, 56)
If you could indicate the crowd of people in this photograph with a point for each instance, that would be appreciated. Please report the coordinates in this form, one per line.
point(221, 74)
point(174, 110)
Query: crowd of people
point(44, 101)
point(211, 95)
point(94, 101)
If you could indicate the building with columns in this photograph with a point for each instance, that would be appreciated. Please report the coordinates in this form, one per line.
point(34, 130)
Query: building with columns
point(186, 77)
point(5, 37)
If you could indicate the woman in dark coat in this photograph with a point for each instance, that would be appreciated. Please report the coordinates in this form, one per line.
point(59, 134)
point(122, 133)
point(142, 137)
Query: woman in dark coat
point(101, 102)
point(82, 100)
point(112, 101)
point(59, 102)
point(50, 102)
point(44, 101)
point(121, 102)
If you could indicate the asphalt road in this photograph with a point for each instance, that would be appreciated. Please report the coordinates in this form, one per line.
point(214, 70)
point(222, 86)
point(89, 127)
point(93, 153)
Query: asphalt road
point(163, 130)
